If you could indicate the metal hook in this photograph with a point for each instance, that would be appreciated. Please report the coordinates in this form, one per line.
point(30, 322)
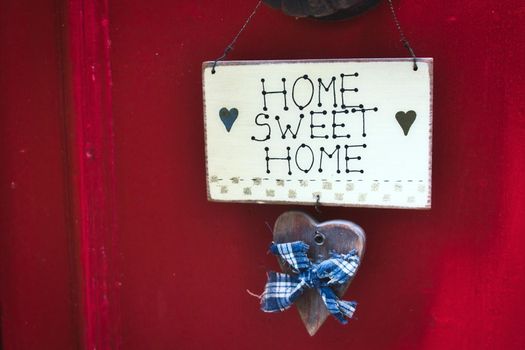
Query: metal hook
point(318, 204)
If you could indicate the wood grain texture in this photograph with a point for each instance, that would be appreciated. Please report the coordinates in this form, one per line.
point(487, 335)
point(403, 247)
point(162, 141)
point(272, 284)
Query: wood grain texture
point(91, 165)
point(338, 235)
point(39, 304)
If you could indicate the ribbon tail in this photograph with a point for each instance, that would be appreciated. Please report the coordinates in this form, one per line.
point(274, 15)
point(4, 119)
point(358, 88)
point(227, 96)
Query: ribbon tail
point(340, 309)
point(347, 308)
point(280, 292)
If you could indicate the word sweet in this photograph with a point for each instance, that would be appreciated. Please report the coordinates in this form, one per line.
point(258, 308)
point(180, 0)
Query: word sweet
point(313, 139)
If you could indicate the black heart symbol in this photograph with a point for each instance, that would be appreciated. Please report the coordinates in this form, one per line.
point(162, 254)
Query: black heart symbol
point(406, 120)
point(338, 235)
point(228, 117)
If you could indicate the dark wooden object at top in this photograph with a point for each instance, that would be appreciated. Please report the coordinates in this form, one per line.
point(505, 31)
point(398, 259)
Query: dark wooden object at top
point(322, 9)
point(337, 235)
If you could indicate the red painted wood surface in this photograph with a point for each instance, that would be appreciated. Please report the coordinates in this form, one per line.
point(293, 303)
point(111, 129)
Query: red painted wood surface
point(91, 159)
point(70, 170)
point(37, 276)
point(451, 277)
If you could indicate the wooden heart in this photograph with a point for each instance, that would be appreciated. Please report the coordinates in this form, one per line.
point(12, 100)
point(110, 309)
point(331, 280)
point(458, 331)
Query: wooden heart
point(337, 235)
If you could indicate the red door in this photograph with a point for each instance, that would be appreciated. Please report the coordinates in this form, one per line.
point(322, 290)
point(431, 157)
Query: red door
point(107, 239)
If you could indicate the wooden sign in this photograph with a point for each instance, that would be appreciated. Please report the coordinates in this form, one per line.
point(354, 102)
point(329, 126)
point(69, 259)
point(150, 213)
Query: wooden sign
point(346, 132)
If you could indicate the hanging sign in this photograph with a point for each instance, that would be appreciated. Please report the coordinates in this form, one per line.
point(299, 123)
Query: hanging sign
point(342, 132)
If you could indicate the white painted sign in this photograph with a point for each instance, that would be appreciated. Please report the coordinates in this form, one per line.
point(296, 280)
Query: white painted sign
point(349, 132)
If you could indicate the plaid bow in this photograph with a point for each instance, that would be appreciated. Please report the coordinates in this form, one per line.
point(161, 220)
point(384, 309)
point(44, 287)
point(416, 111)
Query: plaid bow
point(282, 290)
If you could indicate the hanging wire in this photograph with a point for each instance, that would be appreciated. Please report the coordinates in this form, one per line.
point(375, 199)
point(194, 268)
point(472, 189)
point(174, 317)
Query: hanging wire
point(402, 35)
point(231, 45)
point(404, 39)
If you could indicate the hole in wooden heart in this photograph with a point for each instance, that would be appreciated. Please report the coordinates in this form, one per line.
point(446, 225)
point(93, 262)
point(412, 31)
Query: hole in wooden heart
point(319, 238)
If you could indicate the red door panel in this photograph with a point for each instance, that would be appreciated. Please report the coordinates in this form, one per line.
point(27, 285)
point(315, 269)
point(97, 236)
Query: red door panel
point(107, 239)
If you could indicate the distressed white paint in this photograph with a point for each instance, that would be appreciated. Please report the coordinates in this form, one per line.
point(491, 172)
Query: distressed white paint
point(396, 168)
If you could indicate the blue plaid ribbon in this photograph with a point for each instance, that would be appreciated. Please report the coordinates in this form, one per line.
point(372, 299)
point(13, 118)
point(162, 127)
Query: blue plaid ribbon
point(282, 290)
